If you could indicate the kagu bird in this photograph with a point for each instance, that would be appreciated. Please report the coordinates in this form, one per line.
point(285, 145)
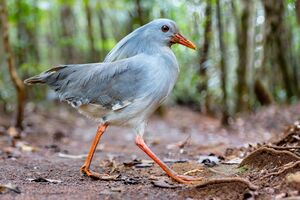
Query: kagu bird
point(124, 90)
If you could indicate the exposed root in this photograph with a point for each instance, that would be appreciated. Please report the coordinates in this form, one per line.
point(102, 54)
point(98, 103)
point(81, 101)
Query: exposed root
point(268, 157)
point(282, 148)
point(285, 168)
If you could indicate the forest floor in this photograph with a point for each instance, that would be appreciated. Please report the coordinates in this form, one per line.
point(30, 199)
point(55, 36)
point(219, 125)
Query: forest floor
point(257, 157)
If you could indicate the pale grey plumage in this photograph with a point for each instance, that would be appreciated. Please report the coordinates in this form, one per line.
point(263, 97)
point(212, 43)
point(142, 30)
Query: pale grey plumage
point(136, 76)
point(143, 40)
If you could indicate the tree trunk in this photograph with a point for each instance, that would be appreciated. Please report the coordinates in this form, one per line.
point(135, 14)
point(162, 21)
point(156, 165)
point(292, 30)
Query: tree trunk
point(19, 86)
point(88, 11)
point(21, 35)
point(139, 12)
point(223, 63)
point(139, 16)
point(297, 6)
point(204, 53)
point(68, 31)
point(262, 94)
point(243, 26)
point(27, 36)
point(103, 34)
point(277, 48)
point(296, 70)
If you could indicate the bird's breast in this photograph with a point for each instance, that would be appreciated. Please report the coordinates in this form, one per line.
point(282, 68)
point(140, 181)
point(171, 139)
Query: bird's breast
point(162, 77)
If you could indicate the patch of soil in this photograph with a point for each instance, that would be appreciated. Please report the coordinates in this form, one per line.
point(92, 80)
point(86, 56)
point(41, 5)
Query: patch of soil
point(221, 189)
point(45, 162)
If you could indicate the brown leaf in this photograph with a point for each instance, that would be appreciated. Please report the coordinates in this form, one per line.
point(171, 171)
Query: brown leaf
point(41, 179)
point(139, 163)
point(293, 177)
point(13, 132)
point(26, 147)
point(63, 155)
point(9, 187)
point(164, 184)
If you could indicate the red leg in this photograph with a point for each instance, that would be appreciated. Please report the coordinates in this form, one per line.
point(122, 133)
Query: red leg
point(179, 178)
point(86, 166)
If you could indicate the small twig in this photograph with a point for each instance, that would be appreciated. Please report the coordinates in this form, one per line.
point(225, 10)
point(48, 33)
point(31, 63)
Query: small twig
point(114, 167)
point(279, 147)
point(182, 144)
point(193, 171)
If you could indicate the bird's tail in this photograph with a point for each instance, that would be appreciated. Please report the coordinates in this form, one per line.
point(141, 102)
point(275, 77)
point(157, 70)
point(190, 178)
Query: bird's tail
point(34, 80)
point(42, 78)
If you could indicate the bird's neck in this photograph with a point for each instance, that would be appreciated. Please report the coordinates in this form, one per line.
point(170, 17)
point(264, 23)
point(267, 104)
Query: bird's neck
point(134, 44)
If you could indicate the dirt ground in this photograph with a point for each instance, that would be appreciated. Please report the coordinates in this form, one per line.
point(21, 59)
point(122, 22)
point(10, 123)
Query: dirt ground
point(257, 157)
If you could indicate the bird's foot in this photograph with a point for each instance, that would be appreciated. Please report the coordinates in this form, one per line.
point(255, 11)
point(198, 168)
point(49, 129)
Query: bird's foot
point(89, 173)
point(94, 175)
point(186, 179)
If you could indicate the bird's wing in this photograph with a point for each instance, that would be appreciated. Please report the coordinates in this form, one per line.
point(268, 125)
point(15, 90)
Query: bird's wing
point(111, 85)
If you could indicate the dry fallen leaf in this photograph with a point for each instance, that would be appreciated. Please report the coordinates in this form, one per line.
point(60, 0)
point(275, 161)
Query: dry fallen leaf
point(112, 191)
point(12, 132)
point(117, 189)
point(41, 179)
point(62, 155)
point(233, 161)
point(9, 187)
point(110, 177)
point(180, 144)
point(25, 147)
point(168, 160)
point(209, 161)
point(164, 184)
point(293, 177)
point(131, 180)
point(139, 163)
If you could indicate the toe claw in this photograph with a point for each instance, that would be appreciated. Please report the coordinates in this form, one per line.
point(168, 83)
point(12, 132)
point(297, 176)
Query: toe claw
point(89, 173)
point(97, 176)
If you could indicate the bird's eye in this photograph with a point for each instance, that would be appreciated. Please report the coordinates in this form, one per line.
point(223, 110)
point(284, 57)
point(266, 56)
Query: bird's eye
point(165, 28)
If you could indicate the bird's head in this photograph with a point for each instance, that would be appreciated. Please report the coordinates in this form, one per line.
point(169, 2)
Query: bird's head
point(157, 33)
point(165, 31)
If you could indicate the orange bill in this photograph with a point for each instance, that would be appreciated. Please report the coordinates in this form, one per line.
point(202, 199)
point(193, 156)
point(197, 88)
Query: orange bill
point(178, 38)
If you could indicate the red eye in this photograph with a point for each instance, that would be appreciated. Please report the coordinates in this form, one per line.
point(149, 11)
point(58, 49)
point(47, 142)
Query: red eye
point(165, 28)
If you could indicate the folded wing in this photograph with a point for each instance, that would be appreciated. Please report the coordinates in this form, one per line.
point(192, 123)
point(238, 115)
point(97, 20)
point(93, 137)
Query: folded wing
point(111, 85)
